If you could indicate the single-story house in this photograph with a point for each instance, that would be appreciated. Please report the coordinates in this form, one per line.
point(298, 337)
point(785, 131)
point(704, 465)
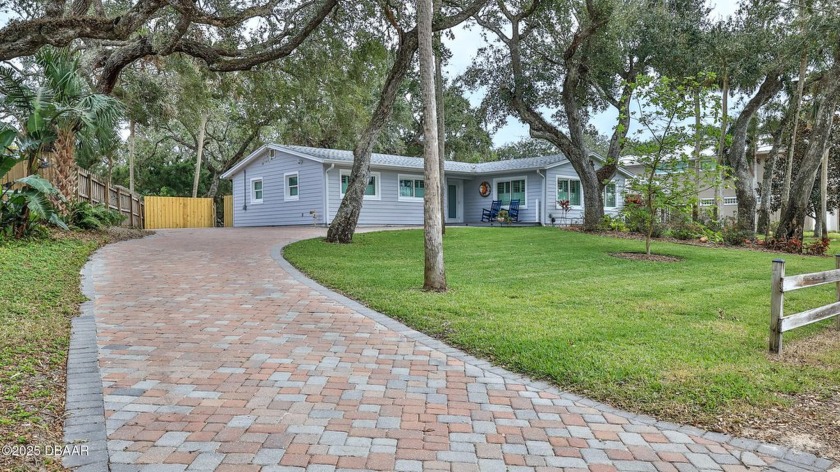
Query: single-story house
point(293, 185)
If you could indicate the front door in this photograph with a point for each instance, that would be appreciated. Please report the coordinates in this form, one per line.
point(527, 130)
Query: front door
point(454, 206)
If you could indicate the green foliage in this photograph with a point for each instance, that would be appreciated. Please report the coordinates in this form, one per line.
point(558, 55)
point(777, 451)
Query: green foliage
point(26, 205)
point(685, 229)
point(612, 223)
point(86, 216)
point(639, 220)
point(682, 341)
point(733, 236)
point(665, 186)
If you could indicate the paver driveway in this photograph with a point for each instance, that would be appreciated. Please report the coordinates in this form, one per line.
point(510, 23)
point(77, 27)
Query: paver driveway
point(215, 356)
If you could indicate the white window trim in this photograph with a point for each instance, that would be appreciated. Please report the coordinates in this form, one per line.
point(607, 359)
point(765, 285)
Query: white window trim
point(254, 201)
point(582, 200)
point(605, 195)
point(732, 201)
point(707, 202)
point(378, 185)
point(522, 205)
point(408, 177)
point(287, 196)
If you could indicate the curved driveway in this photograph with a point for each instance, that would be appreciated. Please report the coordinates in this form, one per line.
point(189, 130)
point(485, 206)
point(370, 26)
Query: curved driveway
point(215, 355)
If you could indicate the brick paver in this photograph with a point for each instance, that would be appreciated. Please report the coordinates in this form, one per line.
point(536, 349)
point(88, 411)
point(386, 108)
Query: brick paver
point(216, 356)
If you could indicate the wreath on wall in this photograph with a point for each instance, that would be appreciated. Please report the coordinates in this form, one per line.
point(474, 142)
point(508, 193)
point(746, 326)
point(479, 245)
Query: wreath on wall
point(484, 189)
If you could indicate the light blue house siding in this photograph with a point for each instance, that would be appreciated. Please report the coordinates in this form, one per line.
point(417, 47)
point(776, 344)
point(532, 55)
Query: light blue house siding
point(387, 207)
point(528, 209)
point(575, 215)
point(277, 206)
point(315, 192)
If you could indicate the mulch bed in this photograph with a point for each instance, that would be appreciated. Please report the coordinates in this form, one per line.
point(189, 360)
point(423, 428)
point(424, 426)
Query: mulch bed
point(641, 256)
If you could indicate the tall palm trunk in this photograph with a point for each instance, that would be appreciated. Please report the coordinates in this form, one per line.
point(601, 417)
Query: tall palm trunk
point(202, 128)
point(66, 175)
point(441, 130)
point(698, 148)
point(131, 142)
point(434, 276)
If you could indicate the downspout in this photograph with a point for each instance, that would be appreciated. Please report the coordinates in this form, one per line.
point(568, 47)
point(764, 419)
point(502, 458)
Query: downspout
point(245, 189)
point(542, 208)
point(327, 194)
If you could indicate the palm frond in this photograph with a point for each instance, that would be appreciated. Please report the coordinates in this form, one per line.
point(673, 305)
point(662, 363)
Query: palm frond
point(38, 184)
point(13, 92)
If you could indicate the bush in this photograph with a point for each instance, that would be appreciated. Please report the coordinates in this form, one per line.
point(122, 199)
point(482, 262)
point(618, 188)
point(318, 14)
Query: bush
point(612, 223)
point(818, 247)
point(684, 228)
point(87, 216)
point(636, 219)
point(792, 245)
point(736, 237)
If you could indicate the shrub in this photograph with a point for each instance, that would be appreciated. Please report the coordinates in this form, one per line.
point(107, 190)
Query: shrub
point(792, 245)
point(636, 219)
point(684, 228)
point(87, 216)
point(736, 237)
point(818, 247)
point(612, 223)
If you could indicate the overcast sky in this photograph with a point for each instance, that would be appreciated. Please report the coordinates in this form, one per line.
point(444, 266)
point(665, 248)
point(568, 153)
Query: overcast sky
point(468, 40)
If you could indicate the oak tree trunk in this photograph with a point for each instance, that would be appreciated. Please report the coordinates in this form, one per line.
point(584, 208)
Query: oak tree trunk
point(797, 105)
point(793, 217)
point(767, 182)
point(347, 216)
point(743, 162)
point(434, 276)
point(721, 148)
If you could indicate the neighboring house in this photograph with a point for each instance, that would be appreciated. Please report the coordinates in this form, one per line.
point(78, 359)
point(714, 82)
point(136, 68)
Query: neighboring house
point(292, 185)
point(730, 201)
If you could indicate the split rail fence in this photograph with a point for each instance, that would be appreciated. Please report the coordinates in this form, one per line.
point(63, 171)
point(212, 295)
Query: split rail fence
point(779, 323)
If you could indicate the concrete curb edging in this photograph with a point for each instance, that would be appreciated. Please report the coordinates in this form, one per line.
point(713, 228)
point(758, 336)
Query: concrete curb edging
point(789, 460)
point(84, 422)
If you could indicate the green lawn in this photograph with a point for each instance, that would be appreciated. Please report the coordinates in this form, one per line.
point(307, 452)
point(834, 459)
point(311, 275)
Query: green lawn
point(39, 294)
point(685, 340)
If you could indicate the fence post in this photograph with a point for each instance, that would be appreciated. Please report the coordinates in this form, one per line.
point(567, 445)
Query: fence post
point(777, 300)
point(837, 264)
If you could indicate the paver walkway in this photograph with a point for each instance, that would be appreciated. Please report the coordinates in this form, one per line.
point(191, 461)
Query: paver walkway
point(214, 355)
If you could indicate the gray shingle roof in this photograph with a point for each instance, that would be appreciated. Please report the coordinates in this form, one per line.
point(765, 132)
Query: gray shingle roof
point(391, 160)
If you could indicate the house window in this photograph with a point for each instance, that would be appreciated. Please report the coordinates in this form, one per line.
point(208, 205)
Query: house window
point(411, 187)
point(569, 189)
point(511, 189)
point(730, 200)
point(256, 190)
point(707, 202)
point(292, 186)
point(372, 189)
point(609, 195)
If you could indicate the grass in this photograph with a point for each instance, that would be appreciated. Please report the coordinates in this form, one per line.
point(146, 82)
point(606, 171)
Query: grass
point(39, 294)
point(684, 341)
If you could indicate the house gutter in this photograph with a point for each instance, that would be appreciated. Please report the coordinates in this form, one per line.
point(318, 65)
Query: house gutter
point(542, 208)
point(327, 194)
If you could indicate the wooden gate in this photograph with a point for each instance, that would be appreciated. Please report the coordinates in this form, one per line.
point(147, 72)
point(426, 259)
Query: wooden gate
point(228, 199)
point(179, 212)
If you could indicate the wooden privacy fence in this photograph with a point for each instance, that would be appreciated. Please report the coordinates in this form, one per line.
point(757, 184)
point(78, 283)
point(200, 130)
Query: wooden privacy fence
point(779, 323)
point(94, 189)
point(179, 212)
point(228, 209)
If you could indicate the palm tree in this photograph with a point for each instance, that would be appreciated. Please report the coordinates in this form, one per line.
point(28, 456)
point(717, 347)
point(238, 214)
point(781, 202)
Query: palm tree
point(58, 115)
